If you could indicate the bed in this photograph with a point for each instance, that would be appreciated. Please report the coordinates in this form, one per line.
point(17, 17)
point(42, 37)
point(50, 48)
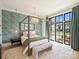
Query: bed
point(36, 38)
point(33, 37)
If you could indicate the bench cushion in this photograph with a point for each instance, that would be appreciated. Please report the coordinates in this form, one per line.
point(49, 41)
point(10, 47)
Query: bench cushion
point(39, 48)
point(35, 43)
point(43, 46)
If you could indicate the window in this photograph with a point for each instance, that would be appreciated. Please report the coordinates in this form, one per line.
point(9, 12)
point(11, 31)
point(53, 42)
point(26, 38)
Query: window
point(32, 26)
point(61, 28)
point(52, 35)
point(22, 27)
point(53, 19)
point(67, 32)
point(59, 18)
point(68, 16)
point(59, 32)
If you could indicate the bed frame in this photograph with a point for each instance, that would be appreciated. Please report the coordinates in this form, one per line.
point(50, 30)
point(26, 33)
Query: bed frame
point(29, 18)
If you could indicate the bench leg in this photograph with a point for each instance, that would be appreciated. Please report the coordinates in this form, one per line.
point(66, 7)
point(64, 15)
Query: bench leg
point(35, 54)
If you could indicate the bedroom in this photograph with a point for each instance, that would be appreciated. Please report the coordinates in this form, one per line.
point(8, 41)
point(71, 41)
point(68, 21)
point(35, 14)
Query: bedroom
point(38, 20)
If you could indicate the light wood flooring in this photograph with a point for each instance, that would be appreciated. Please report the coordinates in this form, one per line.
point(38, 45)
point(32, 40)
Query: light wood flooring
point(59, 51)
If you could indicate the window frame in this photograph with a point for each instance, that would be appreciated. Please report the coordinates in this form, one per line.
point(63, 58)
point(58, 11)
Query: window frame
point(63, 22)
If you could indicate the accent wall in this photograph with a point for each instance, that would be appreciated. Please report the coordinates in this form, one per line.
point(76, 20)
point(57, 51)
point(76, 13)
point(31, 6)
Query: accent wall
point(10, 25)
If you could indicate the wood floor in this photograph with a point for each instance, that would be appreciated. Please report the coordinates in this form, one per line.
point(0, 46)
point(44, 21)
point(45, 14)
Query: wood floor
point(59, 51)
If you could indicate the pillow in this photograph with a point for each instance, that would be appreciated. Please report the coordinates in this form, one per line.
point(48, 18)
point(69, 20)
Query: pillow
point(32, 33)
point(24, 34)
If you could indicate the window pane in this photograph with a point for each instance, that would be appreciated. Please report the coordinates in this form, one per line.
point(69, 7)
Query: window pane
point(61, 18)
point(59, 32)
point(67, 26)
point(67, 33)
point(53, 19)
point(57, 19)
point(53, 32)
point(22, 26)
point(66, 16)
point(26, 26)
point(70, 16)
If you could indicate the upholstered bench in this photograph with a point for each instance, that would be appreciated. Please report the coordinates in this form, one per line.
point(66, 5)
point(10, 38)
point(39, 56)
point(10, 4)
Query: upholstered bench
point(37, 49)
point(35, 43)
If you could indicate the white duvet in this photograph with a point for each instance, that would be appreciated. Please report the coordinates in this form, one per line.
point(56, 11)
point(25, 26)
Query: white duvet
point(24, 38)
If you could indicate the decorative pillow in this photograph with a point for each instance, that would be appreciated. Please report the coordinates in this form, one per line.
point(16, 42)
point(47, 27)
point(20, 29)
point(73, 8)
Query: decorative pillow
point(24, 34)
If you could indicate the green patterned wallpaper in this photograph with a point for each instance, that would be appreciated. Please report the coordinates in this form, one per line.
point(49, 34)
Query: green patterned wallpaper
point(10, 25)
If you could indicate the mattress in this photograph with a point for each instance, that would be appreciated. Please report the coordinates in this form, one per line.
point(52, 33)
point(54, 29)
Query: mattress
point(25, 38)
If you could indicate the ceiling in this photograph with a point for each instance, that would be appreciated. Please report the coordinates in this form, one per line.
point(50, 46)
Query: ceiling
point(37, 7)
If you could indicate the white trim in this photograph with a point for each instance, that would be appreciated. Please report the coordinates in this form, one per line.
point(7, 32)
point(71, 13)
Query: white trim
point(25, 13)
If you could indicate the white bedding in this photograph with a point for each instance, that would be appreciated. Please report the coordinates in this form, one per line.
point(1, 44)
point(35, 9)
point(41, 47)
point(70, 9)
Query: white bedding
point(35, 43)
point(24, 38)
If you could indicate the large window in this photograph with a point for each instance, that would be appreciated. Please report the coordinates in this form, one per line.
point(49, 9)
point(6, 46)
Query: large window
point(67, 30)
point(52, 36)
point(59, 32)
point(61, 28)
